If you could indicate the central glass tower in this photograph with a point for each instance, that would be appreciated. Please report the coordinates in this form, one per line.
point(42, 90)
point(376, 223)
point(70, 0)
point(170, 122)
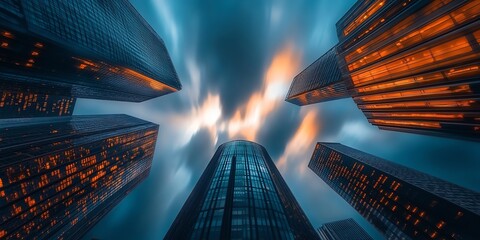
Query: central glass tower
point(241, 195)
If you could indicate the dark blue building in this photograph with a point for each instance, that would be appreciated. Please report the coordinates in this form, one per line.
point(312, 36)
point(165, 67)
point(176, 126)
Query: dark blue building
point(346, 229)
point(400, 202)
point(60, 175)
point(241, 195)
point(321, 81)
point(83, 48)
point(34, 100)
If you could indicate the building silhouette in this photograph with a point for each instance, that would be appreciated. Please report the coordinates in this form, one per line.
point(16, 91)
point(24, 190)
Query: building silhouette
point(241, 195)
point(400, 202)
point(412, 66)
point(60, 175)
point(346, 229)
point(88, 49)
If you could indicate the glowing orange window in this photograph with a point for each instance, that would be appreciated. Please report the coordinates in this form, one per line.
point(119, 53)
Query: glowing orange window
point(364, 16)
point(442, 24)
point(477, 35)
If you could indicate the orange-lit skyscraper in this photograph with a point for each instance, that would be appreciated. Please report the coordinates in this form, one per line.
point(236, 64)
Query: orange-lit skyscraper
point(413, 66)
point(400, 202)
point(79, 48)
point(60, 175)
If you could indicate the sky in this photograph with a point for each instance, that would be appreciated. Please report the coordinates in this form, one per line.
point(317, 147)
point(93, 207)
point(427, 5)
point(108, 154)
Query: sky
point(236, 60)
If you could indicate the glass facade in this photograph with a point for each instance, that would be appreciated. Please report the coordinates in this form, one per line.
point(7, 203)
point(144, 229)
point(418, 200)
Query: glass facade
point(97, 49)
point(413, 67)
point(60, 176)
point(408, 64)
point(18, 101)
point(400, 202)
point(321, 81)
point(241, 195)
point(346, 229)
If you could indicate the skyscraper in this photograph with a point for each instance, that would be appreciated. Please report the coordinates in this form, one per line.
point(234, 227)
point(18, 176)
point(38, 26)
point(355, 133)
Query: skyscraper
point(321, 81)
point(413, 66)
point(90, 48)
point(241, 195)
point(400, 202)
point(346, 229)
point(60, 175)
point(28, 100)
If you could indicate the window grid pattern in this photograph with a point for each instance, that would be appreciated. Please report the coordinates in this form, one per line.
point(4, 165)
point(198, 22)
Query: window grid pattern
point(256, 211)
point(11, 13)
point(56, 182)
point(241, 195)
point(121, 36)
point(15, 104)
point(98, 49)
point(400, 202)
point(347, 229)
point(319, 82)
point(413, 66)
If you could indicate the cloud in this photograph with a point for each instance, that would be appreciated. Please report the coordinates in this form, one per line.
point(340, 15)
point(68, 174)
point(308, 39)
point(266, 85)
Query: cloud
point(199, 151)
point(168, 21)
point(275, 135)
point(250, 117)
point(357, 131)
point(204, 116)
point(300, 145)
point(230, 44)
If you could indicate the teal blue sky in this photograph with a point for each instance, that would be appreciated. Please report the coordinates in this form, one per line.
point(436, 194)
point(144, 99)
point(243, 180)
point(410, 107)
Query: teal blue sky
point(235, 60)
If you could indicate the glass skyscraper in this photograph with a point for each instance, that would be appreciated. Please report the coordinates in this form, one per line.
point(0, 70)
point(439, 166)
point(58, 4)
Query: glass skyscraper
point(60, 175)
point(400, 202)
point(346, 229)
point(321, 81)
point(27, 100)
point(413, 66)
point(83, 48)
point(241, 195)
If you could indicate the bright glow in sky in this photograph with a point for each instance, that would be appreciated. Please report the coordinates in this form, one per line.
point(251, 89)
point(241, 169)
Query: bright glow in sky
point(250, 116)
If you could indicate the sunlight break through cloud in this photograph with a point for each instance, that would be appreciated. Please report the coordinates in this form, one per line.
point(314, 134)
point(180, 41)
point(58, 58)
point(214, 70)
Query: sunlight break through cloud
point(207, 115)
point(300, 146)
point(248, 118)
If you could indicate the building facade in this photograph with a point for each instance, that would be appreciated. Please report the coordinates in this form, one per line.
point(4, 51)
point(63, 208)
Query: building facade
point(60, 175)
point(346, 229)
point(95, 49)
point(241, 195)
point(33, 100)
point(413, 66)
point(321, 81)
point(400, 202)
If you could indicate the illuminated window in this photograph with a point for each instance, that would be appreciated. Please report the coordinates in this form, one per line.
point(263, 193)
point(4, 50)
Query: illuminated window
point(419, 59)
point(363, 16)
point(467, 12)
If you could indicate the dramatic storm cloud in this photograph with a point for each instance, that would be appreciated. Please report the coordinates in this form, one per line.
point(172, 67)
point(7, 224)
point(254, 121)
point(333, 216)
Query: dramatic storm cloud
point(236, 60)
